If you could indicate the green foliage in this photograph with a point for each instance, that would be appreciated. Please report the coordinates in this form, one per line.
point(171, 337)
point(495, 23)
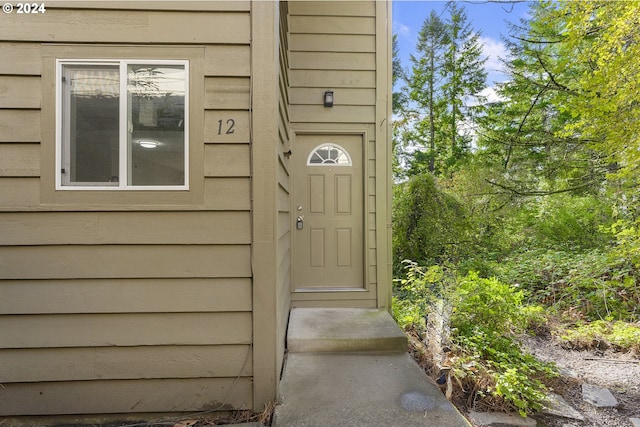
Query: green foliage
point(446, 71)
point(430, 226)
point(417, 291)
point(622, 336)
point(570, 221)
point(546, 206)
point(591, 284)
point(486, 316)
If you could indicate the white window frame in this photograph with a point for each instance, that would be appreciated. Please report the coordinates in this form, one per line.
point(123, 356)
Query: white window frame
point(123, 165)
point(333, 146)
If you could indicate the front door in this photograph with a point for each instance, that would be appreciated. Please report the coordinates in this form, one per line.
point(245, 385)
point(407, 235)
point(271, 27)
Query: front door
point(328, 238)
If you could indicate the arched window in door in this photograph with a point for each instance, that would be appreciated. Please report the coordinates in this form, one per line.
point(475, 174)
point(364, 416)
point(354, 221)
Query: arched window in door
point(329, 154)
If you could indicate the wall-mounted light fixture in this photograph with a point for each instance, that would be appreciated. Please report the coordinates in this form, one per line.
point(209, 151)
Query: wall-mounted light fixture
point(328, 98)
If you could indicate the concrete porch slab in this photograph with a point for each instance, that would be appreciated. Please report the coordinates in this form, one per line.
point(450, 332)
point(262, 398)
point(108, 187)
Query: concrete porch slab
point(342, 330)
point(358, 390)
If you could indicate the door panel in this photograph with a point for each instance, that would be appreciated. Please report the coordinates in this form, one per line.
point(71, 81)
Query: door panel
point(328, 242)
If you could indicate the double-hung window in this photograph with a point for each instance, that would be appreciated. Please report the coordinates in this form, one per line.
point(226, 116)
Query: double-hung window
point(122, 125)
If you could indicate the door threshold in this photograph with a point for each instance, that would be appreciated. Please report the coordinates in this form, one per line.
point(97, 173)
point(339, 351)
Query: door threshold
point(328, 289)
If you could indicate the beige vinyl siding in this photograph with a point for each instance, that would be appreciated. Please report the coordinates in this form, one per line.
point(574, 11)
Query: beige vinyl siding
point(85, 364)
point(283, 191)
point(108, 296)
point(333, 46)
point(127, 26)
point(341, 36)
point(115, 302)
point(126, 396)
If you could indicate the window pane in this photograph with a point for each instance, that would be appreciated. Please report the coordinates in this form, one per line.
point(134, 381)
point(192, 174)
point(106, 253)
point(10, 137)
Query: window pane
point(90, 124)
point(329, 154)
point(156, 123)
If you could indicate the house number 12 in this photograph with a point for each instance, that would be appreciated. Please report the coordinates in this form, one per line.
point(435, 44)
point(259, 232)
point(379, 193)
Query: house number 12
point(230, 124)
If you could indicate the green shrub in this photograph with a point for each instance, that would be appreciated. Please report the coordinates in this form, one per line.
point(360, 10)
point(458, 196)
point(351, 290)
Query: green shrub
point(487, 315)
point(620, 335)
point(417, 291)
point(430, 226)
point(593, 284)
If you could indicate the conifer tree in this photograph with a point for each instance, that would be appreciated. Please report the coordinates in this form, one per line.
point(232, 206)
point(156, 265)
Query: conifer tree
point(465, 77)
point(425, 94)
point(447, 72)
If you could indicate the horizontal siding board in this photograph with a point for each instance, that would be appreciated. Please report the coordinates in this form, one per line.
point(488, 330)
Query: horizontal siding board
point(126, 396)
point(19, 126)
point(283, 200)
point(19, 160)
point(21, 59)
point(122, 363)
point(19, 92)
point(333, 79)
point(226, 93)
point(227, 193)
point(217, 123)
point(89, 228)
point(332, 8)
point(332, 61)
point(119, 26)
point(19, 192)
point(284, 223)
point(343, 96)
point(227, 160)
point(337, 114)
point(332, 43)
point(124, 296)
point(283, 178)
point(130, 261)
point(235, 5)
point(227, 60)
point(108, 330)
point(332, 25)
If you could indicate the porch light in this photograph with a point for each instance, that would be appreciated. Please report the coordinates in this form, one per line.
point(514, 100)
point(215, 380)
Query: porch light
point(328, 98)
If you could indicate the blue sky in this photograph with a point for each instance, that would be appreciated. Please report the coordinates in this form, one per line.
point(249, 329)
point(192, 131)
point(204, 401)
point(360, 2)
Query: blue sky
point(487, 17)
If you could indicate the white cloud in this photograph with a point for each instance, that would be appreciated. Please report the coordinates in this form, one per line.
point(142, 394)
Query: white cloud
point(490, 94)
point(401, 29)
point(494, 50)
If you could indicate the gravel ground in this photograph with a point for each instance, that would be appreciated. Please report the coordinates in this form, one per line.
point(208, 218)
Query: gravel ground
point(620, 373)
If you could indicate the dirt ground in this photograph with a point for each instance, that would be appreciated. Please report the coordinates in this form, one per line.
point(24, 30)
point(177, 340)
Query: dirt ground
point(618, 372)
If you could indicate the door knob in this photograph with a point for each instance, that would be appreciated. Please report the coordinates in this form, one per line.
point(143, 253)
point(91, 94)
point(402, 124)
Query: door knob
point(299, 222)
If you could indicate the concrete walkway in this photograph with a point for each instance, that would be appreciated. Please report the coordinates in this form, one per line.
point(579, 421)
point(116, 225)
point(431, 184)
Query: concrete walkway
point(349, 367)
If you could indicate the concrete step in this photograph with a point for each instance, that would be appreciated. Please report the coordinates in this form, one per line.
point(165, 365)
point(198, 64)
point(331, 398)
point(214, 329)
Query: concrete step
point(343, 330)
point(358, 390)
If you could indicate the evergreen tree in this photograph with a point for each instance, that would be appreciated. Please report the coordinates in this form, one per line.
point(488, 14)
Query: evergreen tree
point(447, 72)
point(521, 136)
point(425, 95)
point(397, 74)
point(465, 78)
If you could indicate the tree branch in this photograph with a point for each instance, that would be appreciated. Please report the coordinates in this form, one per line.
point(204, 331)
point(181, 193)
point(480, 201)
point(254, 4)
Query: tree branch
point(527, 193)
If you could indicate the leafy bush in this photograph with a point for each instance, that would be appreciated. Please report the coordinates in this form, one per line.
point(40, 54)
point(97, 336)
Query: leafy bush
point(566, 221)
point(591, 284)
point(430, 226)
point(487, 315)
point(620, 335)
point(417, 291)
